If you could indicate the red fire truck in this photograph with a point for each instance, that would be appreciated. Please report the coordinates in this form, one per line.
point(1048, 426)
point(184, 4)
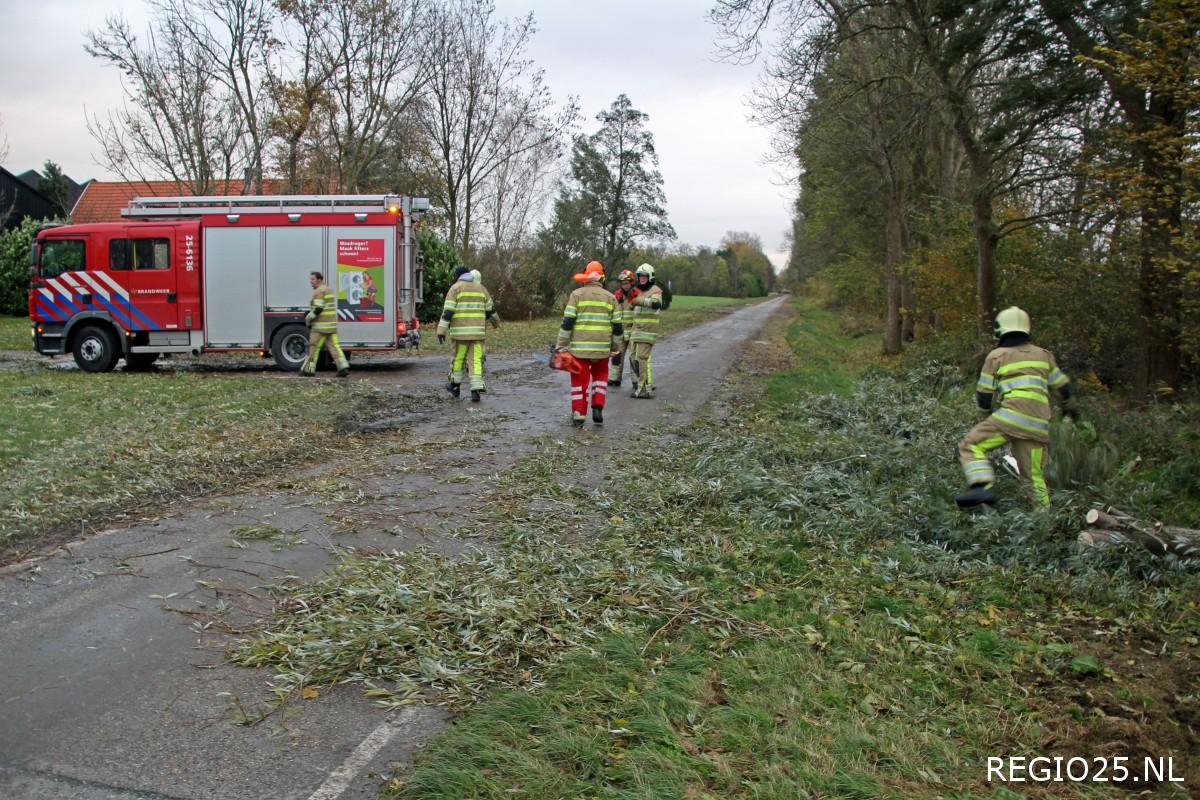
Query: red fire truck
point(226, 274)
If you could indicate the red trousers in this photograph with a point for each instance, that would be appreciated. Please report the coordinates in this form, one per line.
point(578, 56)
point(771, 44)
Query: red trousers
point(593, 377)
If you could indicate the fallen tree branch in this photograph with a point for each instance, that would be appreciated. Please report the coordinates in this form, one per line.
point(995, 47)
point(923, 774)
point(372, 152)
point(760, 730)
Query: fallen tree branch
point(1114, 526)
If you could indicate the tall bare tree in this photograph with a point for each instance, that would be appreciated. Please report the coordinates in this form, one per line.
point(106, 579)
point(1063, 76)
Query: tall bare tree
point(178, 120)
point(301, 94)
point(377, 53)
point(487, 106)
point(236, 36)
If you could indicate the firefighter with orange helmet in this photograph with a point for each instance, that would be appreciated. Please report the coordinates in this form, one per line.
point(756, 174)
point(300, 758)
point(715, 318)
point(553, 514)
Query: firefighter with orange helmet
point(322, 328)
point(1019, 375)
point(591, 332)
point(625, 310)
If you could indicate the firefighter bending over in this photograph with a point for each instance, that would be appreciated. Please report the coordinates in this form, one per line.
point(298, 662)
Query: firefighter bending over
point(322, 328)
point(1018, 374)
point(625, 311)
point(467, 310)
point(647, 302)
point(591, 331)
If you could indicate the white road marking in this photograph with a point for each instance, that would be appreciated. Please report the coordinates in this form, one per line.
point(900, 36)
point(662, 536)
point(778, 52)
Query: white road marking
point(340, 779)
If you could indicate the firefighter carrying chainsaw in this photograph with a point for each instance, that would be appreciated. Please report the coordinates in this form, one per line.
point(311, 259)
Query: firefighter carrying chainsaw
point(465, 315)
point(625, 311)
point(647, 300)
point(591, 333)
point(322, 328)
point(1019, 375)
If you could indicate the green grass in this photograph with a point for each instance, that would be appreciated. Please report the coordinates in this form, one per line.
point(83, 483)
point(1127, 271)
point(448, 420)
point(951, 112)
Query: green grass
point(830, 361)
point(76, 446)
point(14, 333)
point(522, 336)
point(783, 603)
point(894, 643)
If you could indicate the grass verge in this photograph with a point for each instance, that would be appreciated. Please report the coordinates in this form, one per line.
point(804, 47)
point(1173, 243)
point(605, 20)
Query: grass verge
point(75, 447)
point(14, 333)
point(779, 604)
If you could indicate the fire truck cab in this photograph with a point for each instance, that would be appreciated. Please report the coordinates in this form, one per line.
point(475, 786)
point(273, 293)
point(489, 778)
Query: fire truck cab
point(226, 274)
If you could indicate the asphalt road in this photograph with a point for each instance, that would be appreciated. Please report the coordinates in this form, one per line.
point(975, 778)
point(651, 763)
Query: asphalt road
point(111, 688)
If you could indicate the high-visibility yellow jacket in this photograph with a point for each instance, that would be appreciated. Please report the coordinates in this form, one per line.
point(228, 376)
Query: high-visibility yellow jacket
point(1020, 378)
point(323, 314)
point(467, 308)
point(591, 326)
point(625, 312)
point(646, 308)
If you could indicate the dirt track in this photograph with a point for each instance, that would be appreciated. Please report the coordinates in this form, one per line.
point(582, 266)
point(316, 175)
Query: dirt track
point(105, 694)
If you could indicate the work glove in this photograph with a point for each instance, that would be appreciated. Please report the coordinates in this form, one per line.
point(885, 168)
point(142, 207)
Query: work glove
point(308, 319)
point(1071, 413)
point(616, 359)
point(441, 338)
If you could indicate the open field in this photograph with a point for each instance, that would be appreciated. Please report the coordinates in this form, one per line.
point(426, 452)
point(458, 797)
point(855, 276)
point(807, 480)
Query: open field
point(14, 333)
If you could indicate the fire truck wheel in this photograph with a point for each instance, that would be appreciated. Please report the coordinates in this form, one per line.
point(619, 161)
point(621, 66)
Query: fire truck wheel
point(290, 347)
point(95, 349)
point(137, 361)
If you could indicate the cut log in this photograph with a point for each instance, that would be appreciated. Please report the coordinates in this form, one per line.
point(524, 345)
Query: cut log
point(1098, 519)
point(1094, 536)
point(1114, 526)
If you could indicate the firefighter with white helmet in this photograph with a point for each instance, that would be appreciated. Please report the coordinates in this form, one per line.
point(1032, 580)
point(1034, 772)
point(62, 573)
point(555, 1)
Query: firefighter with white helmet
point(625, 278)
point(647, 302)
point(465, 313)
point(322, 328)
point(1019, 375)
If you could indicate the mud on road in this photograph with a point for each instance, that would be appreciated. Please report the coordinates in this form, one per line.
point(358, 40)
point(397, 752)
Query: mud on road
point(113, 679)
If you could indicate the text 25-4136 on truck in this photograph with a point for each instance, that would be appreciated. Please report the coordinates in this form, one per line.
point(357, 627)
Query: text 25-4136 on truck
point(226, 274)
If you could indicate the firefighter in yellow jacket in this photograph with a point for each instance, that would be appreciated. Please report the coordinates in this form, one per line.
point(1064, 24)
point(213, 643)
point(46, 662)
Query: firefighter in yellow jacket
point(1016, 380)
point(647, 302)
point(625, 312)
point(465, 314)
point(591, 331)
point(322, 324)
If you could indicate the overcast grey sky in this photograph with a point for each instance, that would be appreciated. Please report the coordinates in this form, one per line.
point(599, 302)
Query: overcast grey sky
point(659, 52)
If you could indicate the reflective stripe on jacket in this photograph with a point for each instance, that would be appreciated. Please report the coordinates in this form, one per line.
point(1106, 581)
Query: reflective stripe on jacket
point(1021, 377)
point(591, 326)
point(646, 308)
point(465, 312)
point(324, 310)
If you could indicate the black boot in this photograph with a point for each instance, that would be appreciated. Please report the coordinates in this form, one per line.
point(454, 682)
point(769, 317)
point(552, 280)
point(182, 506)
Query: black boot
point(474, 395)
point(452, 388)
point(343, 372)
point(978, 494)
point(598, 415)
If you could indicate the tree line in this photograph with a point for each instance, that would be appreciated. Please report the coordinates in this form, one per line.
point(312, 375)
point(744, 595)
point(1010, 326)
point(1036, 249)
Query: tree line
point(349, 96)
point(957, 157)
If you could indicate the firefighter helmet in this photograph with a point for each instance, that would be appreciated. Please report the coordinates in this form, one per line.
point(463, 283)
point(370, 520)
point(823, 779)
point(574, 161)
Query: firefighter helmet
point(594, 271)
point(647, 270)
point(1012, 320)
point(625, 275)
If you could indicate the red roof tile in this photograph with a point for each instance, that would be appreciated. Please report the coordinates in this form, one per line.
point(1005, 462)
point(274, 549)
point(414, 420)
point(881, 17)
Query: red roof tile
point(102, 201)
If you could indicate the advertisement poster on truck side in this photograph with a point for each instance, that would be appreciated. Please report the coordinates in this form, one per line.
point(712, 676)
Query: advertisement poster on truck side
point(361, 280)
